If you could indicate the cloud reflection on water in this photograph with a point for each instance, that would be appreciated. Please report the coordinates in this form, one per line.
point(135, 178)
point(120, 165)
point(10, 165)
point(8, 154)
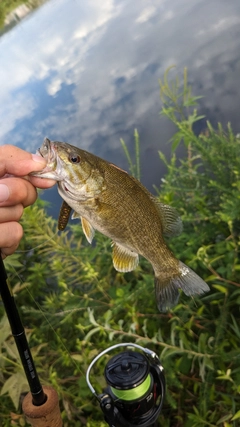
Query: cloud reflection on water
point(87, 72)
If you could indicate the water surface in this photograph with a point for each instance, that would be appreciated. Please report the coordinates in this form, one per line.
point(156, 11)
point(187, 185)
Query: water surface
point(87, 72)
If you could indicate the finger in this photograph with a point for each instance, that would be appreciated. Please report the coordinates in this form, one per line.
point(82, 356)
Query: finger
point(10, 236)
point(41, 182)
point(14, 160)
point(17, 190)
point(11, 213)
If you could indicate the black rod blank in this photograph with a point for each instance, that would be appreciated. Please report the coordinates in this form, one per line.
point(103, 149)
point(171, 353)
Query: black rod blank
point(19, 335)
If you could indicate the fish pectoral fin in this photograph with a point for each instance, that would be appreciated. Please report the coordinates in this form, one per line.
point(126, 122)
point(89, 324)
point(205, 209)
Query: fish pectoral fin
point(87, 229)
point(171, 221)
point(124, 259)
point(75, 215)
point(86, 226)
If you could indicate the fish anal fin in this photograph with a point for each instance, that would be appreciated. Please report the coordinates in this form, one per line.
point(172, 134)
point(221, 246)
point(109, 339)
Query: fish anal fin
point(171, 221)
point(87, 229)
point(124, 259)
point(167, 290)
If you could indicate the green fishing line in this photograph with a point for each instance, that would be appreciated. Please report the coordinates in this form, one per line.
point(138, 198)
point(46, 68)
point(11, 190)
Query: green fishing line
point(133, 393)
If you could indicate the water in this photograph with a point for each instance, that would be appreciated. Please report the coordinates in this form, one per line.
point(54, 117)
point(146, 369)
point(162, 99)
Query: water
point(87, 72)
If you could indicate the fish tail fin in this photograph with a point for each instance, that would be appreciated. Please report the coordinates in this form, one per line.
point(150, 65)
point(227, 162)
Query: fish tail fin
point(167, 290)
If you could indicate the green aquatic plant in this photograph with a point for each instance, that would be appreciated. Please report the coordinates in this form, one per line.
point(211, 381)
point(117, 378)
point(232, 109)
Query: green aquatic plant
point(74, 304)
point(134, 165)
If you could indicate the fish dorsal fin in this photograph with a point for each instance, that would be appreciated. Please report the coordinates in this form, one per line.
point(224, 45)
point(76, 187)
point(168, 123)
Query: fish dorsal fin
point(87, 229)
point(124, 259)
point(171, 221)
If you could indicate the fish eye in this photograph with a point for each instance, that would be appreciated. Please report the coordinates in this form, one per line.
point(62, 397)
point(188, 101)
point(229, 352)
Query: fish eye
point(74, 158)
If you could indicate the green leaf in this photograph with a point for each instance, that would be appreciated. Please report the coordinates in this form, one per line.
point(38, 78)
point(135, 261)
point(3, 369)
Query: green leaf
point(236, 416)
point(5, 329)
point(14, 386)
point(221, 288)
point(223, 419)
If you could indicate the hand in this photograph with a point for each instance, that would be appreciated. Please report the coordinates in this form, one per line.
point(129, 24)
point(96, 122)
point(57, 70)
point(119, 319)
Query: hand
point(17, 190)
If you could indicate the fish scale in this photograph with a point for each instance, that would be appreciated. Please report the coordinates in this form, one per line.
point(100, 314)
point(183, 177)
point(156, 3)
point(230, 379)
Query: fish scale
point(108, 199)
point(141, 227)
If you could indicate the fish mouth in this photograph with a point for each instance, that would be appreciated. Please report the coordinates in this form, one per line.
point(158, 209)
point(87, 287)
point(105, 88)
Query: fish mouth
point(48, 152)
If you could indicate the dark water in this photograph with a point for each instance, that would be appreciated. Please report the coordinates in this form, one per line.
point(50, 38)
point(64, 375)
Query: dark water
point(87, 72)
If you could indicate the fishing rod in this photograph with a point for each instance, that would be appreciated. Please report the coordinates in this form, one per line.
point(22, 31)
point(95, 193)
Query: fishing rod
point(135, 381)
point(41, 404)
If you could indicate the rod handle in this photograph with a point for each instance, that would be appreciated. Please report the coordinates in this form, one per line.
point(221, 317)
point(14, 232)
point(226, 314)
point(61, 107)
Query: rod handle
point(46, 415)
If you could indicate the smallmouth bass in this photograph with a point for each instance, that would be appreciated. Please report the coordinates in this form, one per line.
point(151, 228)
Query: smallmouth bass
point(108, 199)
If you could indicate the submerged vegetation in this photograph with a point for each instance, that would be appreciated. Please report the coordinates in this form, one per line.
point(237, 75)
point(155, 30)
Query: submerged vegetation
point(74, 304)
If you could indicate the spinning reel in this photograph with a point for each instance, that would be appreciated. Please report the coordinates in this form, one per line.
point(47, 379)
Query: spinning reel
point(135, 387)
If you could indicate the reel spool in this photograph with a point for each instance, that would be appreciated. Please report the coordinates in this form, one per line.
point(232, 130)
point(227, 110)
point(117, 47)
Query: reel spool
point(135, 387)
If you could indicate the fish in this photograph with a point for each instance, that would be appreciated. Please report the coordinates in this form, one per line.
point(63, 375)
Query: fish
point(108, 199)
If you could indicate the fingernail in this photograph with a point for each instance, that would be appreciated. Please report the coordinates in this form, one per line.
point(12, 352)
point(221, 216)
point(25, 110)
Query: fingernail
point(38, 159)
point(4, 193)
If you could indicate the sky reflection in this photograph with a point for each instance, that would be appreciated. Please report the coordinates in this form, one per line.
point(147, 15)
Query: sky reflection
point(87, 72)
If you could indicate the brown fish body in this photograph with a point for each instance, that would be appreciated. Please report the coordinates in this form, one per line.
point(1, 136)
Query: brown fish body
point(109, 200)
point(125, 212)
